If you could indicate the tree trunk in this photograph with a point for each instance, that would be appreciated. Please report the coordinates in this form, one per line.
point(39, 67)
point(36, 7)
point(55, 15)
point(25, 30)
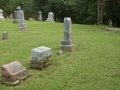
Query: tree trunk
point(100, 11)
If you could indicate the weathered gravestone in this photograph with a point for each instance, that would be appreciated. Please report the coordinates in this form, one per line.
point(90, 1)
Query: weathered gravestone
point(66, 44)
point(16, 15)
point(22, 26)
point(110, 23)
point(39, 16)
point(11, 16)
point(1, 15)
point(5, 35)
point(40, 57)
point(13, 73)
point(50, 17)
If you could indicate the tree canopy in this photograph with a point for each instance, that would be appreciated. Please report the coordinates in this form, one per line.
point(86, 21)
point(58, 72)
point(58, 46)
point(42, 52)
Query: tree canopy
point(80, 11)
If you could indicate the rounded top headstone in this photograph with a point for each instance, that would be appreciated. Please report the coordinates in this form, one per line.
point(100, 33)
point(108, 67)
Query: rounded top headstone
point(18, 8)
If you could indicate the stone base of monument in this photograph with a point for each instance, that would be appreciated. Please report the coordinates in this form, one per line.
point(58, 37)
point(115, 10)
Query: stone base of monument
point(25, 28)
point(16, 21)
point(50, 20)
point(13, 73)
point(40, 65)
point(69, 48)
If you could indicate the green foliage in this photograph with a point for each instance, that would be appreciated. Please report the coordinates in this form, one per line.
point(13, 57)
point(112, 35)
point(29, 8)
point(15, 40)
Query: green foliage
point(81, 11)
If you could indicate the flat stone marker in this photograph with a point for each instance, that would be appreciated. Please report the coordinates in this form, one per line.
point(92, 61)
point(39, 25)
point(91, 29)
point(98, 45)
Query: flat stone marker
point(13, 72)
point(66, 43)
point(112, 29)
point(40, 57)
point(50, 17)
point(5, 35)
point(22, 26)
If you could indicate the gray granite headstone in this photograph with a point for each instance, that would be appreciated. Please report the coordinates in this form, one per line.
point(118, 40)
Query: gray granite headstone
point(39, 56)
point(16, 15)
point(50, 17)
point(1, 15)
point(5, 35)
point(22, 26)
point(66, 43)
point(13, 72)
point(39, 16)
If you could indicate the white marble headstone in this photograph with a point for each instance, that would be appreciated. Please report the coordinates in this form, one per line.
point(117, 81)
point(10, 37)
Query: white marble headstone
point(50, 17)
point(1, 15)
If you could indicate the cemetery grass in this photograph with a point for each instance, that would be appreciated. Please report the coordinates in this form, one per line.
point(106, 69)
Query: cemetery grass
point(94, 65)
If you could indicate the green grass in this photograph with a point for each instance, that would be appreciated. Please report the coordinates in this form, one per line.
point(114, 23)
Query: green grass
point(94, 65)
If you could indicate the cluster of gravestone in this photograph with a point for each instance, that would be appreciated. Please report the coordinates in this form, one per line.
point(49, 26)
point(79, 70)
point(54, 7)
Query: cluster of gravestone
point(14, 72)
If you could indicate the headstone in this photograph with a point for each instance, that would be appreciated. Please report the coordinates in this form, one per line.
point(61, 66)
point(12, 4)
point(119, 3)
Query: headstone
point(13, 72)
point(11, 16)
point(5, 35)
point(40, 57)
point(22, 26)
point(16, 15)
point(50, 17)
point(110, 23)
point(1, 15)
point(39, 16)
point(66, 43)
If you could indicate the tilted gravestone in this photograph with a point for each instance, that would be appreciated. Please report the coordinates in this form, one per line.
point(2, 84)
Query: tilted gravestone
point(39, 16)
point(5, 35)
point(1, 15)
point(50, 17)
point(16, 15)
point(22, 26)
point(13, 72)
point(40, 57)
point(66, 43)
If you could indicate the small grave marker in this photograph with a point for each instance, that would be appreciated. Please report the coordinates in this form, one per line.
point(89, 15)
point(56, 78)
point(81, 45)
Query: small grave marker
point(5, 35)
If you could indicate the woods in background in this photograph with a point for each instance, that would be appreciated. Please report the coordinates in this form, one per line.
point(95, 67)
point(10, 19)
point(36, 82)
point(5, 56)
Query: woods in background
point(80, 11)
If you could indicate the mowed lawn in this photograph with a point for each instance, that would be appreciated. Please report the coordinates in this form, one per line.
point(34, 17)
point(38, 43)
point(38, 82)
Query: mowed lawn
point(94, 65)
